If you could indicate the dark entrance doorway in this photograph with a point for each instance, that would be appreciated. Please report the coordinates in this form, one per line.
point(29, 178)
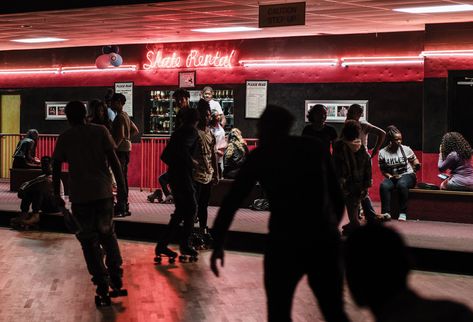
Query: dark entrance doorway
point(460, 103)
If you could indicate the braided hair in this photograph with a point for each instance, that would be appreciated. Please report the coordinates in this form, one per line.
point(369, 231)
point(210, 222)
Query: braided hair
point(455, 142)
point(391, 131)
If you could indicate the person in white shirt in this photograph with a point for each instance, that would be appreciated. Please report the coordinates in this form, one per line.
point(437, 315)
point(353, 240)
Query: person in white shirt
point(398, 164)
point(207, 94)
point(220, 142)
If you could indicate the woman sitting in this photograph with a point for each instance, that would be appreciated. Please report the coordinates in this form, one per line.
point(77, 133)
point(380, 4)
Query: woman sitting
point(455, 155)
point(398, 164)
point(234, 154)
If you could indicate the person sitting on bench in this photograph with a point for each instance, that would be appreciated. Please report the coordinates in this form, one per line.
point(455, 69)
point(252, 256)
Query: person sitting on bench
point(25, 152)
point(37, 193)
point(398, 164)
point(455, 155)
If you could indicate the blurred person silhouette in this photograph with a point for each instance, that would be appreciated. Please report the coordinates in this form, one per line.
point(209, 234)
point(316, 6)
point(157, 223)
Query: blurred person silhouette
point(304, 219)
point(24, 156)
point(385, 290)
point(235, 154)
point(455, 155)
point(89, 150)
point(317, 116)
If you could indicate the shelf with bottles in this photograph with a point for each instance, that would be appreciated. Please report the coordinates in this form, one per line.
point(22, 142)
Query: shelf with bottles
point(162, 112)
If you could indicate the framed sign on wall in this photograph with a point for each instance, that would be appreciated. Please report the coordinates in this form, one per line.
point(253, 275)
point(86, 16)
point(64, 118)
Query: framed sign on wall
point(126, 88)
point(337, 109)
point(56, 111)
point(187, 79)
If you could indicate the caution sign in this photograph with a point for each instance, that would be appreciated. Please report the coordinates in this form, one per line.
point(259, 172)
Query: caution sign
point(279, 15)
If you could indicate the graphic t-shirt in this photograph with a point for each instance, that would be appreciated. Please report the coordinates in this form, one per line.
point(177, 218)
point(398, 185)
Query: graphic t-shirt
point(395, 163)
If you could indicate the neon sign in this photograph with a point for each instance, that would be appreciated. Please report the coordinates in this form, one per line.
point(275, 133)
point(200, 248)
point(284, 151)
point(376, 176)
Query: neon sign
point(194, 59)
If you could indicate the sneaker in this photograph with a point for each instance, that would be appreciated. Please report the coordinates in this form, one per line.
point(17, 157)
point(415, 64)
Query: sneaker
point(402, 217)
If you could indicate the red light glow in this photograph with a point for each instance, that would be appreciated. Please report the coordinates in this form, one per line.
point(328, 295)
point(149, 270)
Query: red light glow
point(288, 62)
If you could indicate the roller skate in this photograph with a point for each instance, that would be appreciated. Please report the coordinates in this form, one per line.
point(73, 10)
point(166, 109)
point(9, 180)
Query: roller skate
point(188, 254)
point(168, 200)
point(207, 238)
point(102, 296)
point(116, 285)
point(25, 221)
point(164, 252)
point(158, 194)
point(197, 240)
point(121, 210)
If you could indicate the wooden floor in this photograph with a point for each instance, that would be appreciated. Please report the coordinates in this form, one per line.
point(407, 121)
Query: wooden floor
point(43, 278)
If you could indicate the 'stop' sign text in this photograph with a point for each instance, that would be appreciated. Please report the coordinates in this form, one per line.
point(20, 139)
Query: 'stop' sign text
point(195, 58)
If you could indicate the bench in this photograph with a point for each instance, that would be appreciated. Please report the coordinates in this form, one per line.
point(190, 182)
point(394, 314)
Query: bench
point(18, 176)
point(440, 205)
point(219, 191)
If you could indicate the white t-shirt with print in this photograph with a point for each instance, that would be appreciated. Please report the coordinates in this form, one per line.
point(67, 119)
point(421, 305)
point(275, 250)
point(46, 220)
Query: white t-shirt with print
point(395, 163)
point(215, 106)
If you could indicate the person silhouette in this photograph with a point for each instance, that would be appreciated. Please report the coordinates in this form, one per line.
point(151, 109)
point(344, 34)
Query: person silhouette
point(304, 219)
point(385, 292)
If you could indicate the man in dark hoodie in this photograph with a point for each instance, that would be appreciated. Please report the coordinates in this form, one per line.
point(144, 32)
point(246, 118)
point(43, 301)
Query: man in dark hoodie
point(353, 167)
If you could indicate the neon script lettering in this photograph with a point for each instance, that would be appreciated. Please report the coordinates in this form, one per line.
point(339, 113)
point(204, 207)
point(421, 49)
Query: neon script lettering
point(195, 59)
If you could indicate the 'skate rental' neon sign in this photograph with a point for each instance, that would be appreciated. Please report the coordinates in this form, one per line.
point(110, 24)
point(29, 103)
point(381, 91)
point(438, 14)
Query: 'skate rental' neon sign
point(194, 59)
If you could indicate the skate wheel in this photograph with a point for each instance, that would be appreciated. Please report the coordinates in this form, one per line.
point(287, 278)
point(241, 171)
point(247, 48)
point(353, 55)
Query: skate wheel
point(194, 259)
point(158, 259)
point(172, 260)
point(102, 301)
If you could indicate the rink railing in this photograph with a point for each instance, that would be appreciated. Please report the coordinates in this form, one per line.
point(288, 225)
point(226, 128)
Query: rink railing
point(152, 166)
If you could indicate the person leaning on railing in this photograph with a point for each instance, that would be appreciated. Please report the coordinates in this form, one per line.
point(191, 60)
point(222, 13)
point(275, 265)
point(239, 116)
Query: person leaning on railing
point(25, 152)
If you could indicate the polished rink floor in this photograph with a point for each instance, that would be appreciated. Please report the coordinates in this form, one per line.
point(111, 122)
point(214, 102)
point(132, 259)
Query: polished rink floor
point(43, 278)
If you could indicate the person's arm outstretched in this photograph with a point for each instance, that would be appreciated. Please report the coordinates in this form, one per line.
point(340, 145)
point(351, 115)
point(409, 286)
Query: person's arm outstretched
point(380, 136)
point(242, 186)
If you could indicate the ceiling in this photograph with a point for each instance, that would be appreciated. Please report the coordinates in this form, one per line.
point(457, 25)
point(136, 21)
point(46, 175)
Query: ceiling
point(173, 21)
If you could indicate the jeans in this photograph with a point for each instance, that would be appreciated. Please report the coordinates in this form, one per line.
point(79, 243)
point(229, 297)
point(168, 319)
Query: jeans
point(402, 185)
point(124, 158)
point(164, 183)
point(96, 233)
point(368, 209)
point(202, 192)
point(38, 201)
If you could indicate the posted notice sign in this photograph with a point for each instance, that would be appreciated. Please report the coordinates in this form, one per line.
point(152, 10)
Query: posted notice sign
point(127, 90)
point(279, 15)
point(256, 98)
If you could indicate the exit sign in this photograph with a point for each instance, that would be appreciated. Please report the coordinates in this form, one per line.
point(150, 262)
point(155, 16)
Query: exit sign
point(279, 15)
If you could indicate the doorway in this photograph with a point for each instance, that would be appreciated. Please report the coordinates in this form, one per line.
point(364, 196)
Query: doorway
point(460, 103)
point(9, 130)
